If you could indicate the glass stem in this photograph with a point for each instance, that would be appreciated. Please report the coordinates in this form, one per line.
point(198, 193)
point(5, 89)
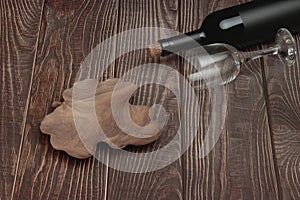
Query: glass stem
point(260, 53)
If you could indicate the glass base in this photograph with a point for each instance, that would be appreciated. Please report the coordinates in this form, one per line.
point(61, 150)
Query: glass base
point(287, 47)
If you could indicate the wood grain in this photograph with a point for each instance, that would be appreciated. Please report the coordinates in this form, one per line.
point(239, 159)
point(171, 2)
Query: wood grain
point(241, 164)
point(283, 87)
point(70, 29)
point(164, 183)
point(19, 30)
point(42, 47)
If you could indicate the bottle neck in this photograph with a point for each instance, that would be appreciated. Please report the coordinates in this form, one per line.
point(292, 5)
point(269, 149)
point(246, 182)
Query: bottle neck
point(182, 42)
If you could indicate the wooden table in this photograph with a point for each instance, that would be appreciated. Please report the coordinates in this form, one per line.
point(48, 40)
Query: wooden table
point(42, 46)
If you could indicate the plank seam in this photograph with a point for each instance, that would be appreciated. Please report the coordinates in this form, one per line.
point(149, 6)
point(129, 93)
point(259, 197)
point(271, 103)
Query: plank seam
point(266, 95)
point(181, 70)
point(114, 75)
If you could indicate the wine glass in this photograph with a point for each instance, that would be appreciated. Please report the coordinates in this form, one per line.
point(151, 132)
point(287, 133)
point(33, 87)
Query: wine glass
point(221, 63)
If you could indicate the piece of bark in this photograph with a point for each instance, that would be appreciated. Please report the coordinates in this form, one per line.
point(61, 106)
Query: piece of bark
point(60, 124)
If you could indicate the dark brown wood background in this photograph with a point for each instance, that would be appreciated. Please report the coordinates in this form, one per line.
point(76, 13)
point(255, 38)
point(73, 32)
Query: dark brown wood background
point(43, 43)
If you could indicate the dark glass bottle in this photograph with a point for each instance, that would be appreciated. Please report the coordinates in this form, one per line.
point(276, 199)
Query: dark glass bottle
point(241, 26)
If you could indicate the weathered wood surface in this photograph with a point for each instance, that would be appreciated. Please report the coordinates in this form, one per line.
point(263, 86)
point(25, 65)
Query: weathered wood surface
point(19, 31)
point(241, 165)
point(283, 92)
point(164, 183)
point(43, 44)
point(70, 29)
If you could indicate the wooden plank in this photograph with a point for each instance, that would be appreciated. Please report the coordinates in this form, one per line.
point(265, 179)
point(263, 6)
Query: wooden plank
point(19, 30)
point(241, 164)
point(70, 29)
point(283, 87)
point(164, 183)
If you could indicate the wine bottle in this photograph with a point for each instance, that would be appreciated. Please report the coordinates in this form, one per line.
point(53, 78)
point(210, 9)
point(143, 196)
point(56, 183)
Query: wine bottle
point(241, 26)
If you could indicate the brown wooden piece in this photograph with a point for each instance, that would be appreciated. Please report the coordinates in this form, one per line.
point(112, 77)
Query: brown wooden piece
point(241, 164)
point(165, 183)
point(19, 32)
point(69, 30)
point(283, 92)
